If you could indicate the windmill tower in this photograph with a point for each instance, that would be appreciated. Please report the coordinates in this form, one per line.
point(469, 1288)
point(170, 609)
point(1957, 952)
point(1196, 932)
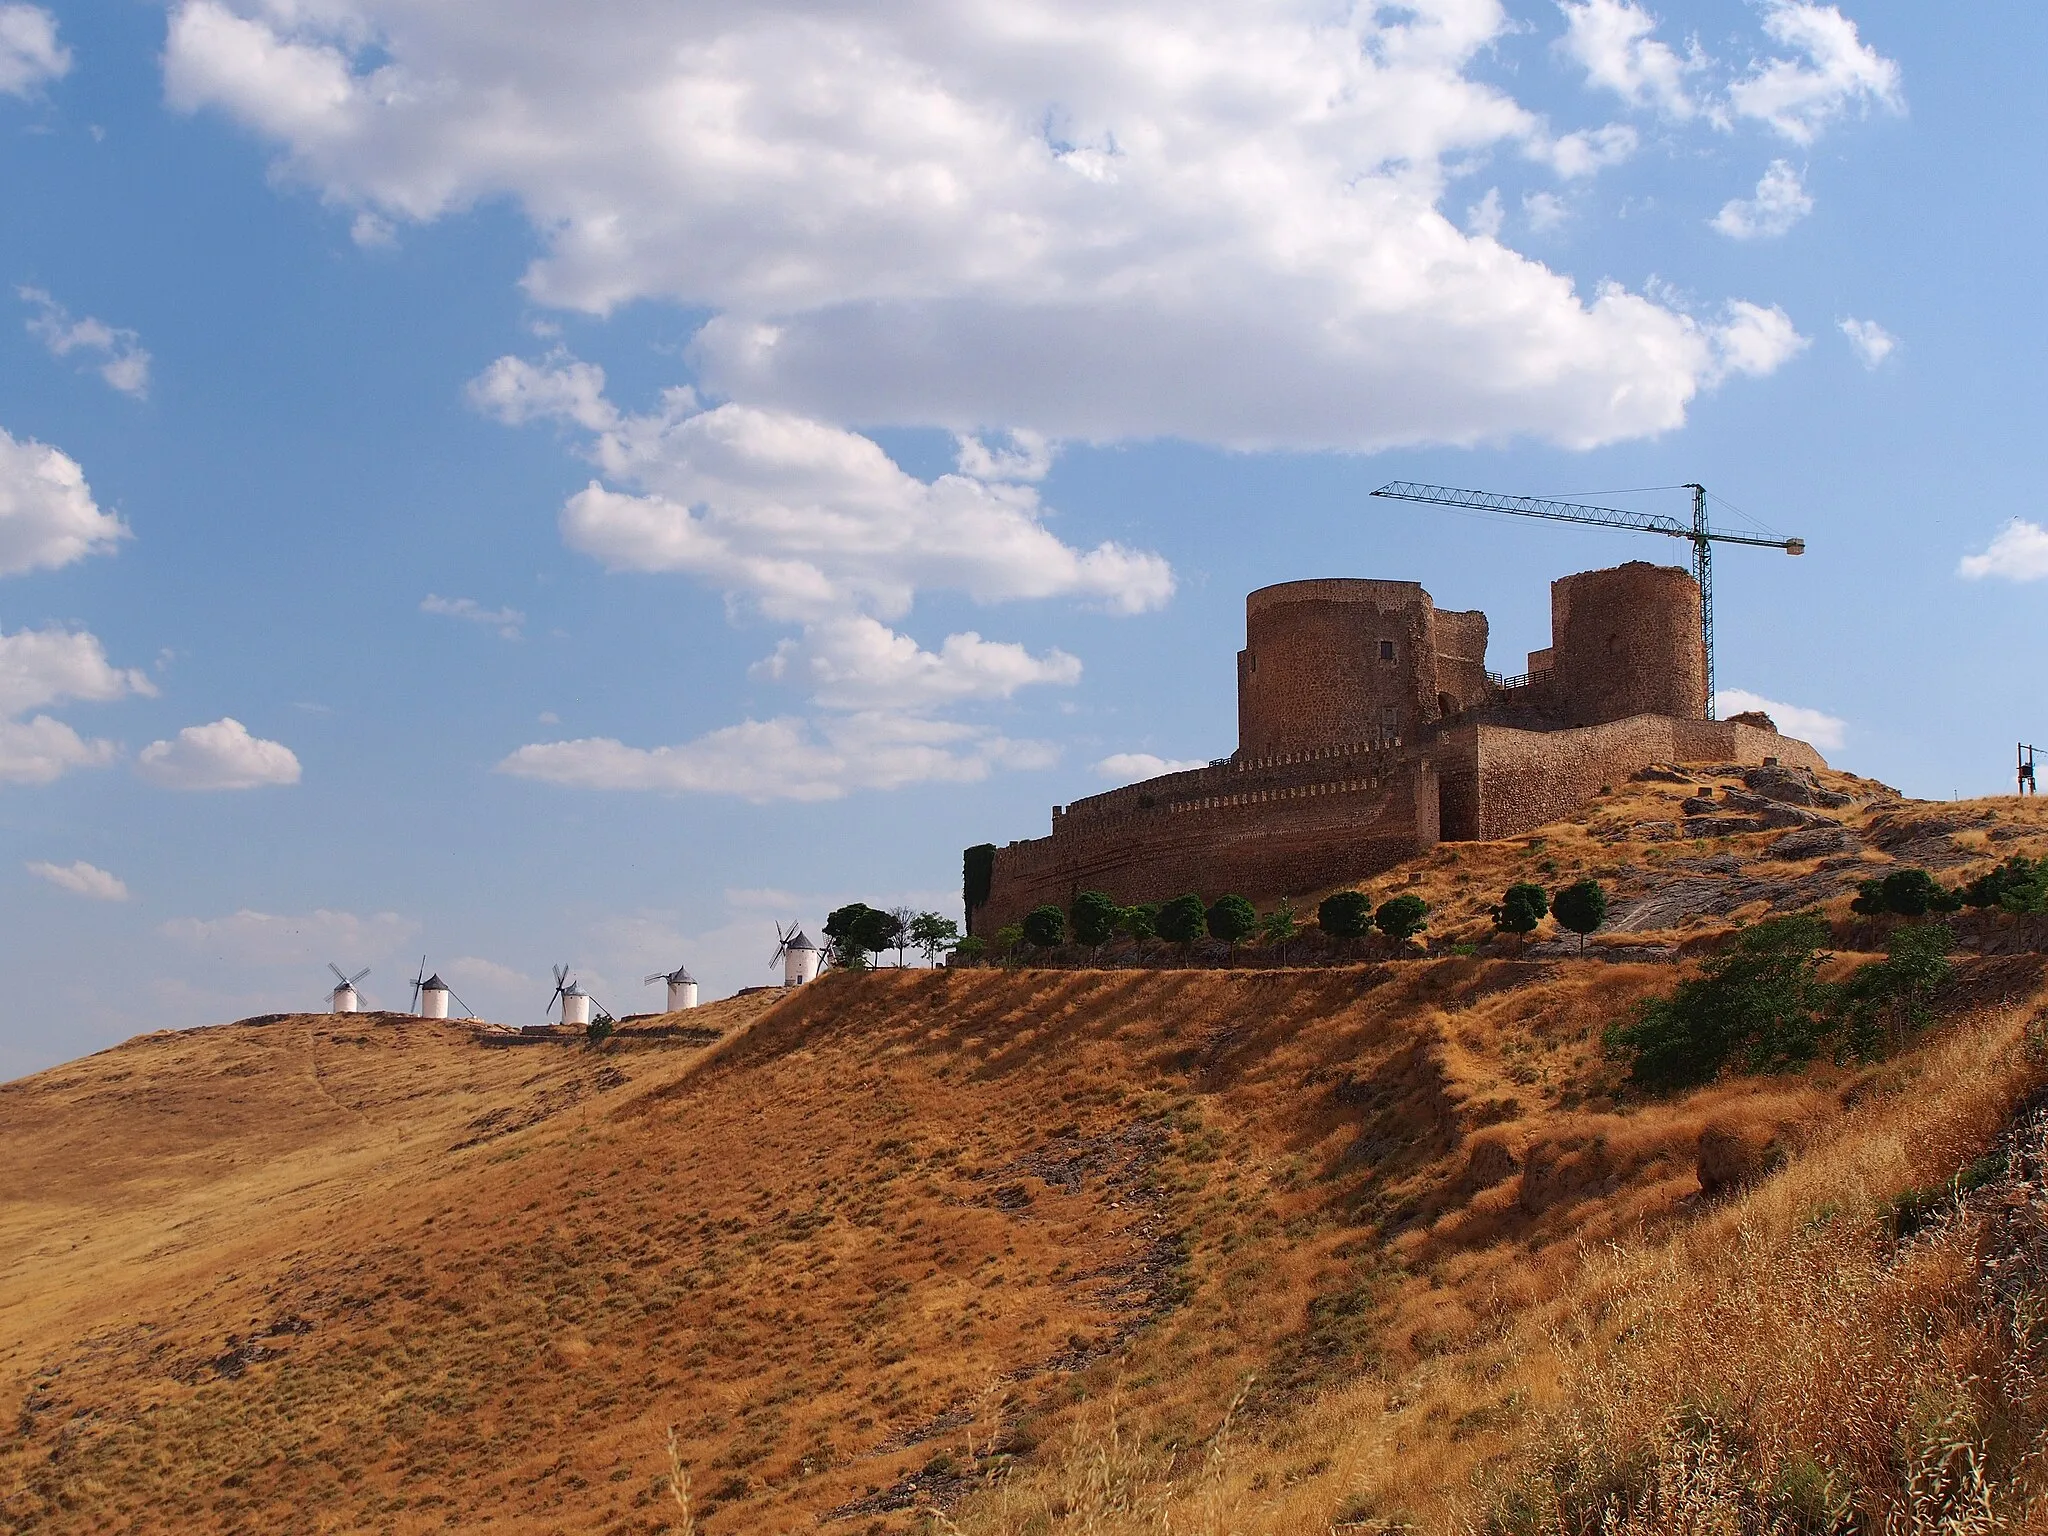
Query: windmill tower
point(797, 956)
point(344, 998)
point(574, 1001)
point(682, 987)
point(430, 995)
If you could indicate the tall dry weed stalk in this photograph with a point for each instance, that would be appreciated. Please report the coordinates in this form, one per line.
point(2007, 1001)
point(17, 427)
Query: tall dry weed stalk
point(1109, 1479)
point(679, 1483)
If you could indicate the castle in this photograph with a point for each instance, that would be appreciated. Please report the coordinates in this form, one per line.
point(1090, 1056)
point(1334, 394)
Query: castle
point(1369, 730)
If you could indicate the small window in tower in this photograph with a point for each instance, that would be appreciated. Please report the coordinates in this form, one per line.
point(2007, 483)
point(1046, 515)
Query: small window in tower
point(1386, 650)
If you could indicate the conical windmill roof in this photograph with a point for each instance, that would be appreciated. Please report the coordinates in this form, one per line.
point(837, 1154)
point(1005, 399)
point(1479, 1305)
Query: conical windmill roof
point(801, 941)
point(434, 983)
point(680, 973)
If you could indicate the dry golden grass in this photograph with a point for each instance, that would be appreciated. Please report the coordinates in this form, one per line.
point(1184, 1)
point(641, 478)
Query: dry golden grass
point(1259, 1250)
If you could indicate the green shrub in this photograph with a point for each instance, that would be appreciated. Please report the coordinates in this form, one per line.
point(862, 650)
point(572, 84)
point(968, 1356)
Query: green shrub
point(1278, 928)
point(1346, 915)
point(1917, 1208)
point(1182, 919)
point(1907, 893)
point(1401, 918)
point(1095, 918)
point(1046, 927)
point(2019, 885)
point(1521, 908)
point(1232, 919)
point(970, 951)
point(1140, 922)
point(1581, 908)
point(1762, 998)
point(1889, 999)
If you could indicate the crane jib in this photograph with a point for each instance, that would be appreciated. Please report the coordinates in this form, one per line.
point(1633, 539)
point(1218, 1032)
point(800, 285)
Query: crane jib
point(1703, 537)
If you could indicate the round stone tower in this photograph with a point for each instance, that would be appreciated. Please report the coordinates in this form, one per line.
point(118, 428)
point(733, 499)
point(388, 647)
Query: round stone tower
point(1626, 641)
point(1335, 662)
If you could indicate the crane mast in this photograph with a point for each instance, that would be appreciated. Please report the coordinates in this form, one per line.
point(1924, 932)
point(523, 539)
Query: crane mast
point(1702, 536)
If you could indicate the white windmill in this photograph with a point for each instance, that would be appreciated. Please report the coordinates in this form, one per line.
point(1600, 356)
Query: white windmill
point(797, 956)
point(682, 987)
point(430, 995)
point(345, 998)
point(574, 1000)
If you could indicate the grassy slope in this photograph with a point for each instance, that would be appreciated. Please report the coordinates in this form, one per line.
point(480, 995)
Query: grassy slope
point(908, 1238)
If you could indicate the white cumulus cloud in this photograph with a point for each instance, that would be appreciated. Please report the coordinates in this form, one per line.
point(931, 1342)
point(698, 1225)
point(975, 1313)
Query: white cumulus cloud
point(1613, 40)
point(47, 515)
point(920, 215)
point(1810, 725)
point(40, 667)
point(124, 361)
point(2018, 553)
point(45, 666)
point(1870, 341)
point(1129, 767)
point(806, 519)
point(30, 55)
point(860, 663)
point(1781, 201)
point(506, 621)
point(81, 879)
point(1754, 340)
point(786, 758)
point(1834, 70)
point(222, 755)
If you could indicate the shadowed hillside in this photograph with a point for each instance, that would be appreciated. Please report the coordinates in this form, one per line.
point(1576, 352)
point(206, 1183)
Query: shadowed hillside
point(1378, 1244)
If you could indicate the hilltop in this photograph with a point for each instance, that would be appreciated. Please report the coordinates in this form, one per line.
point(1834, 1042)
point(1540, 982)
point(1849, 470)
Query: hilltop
point(1379, 1241)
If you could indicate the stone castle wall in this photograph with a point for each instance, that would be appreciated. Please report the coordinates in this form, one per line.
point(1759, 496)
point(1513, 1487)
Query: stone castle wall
point(1285, 826)
point(1513, 781)
point(1369, 728)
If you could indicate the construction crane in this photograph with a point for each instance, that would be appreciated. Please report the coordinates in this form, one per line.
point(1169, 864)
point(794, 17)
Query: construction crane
point(1703, 537)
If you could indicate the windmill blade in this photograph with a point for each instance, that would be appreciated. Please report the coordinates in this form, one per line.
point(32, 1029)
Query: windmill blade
point(359, 975)
point(561, 975)
point(651, 980)
point(337, 973)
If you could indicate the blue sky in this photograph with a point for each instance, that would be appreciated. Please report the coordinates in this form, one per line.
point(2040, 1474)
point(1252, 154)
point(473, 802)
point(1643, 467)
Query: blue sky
point(544, 483)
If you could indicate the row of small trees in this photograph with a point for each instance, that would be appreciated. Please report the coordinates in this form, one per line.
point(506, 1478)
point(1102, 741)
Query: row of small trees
point(1580, 907)
point(856, 931)
point(1096, 918)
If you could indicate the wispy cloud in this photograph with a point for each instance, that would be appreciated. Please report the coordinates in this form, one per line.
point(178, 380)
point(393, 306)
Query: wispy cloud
point(81, 879)
point(506, 621)
point(1871, 341)
point(1129, 767)
point(124, 362)
point(1781, 201)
